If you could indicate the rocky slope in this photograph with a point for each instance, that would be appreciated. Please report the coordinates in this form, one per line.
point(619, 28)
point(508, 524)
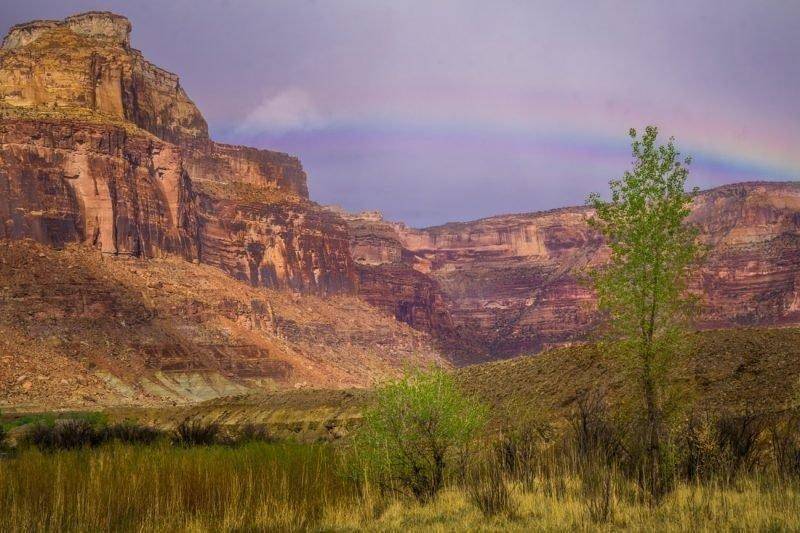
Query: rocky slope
point(512, 284)
point(81, 328)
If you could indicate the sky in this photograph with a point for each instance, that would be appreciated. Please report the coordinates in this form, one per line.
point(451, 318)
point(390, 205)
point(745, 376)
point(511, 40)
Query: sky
point(455, 110)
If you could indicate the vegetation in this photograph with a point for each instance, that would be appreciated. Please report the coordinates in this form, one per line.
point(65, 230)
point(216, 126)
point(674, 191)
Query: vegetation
point(643, 288)
point(290, 486)
point(414, 430)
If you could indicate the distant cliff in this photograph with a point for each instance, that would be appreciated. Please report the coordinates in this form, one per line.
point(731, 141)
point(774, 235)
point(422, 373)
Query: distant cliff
point(511, 284)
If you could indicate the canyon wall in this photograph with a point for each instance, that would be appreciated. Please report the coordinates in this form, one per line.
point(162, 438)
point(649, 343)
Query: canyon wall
point(514, 284)
point(142, 262)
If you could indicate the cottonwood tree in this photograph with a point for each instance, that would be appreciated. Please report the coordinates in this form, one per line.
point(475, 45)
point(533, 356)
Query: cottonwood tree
point(642, 291)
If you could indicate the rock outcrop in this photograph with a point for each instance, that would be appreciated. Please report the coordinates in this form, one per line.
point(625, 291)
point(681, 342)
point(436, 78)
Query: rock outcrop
point(86, 62)
point(512, 284)
point(101, 147)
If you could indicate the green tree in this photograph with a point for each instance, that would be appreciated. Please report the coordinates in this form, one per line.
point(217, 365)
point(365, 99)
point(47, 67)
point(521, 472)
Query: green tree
point(414, 430)
point(642, 291)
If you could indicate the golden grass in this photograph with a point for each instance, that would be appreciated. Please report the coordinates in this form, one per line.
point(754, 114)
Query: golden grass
point(749, 506)
point(284, 487)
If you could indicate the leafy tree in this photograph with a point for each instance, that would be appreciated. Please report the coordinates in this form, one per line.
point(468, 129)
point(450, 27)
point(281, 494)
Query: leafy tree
point(642, 291)
point(414, 431)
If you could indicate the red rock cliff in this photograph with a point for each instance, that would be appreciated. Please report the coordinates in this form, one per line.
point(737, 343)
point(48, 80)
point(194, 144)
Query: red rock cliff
point(511, 284)
point(100, 146)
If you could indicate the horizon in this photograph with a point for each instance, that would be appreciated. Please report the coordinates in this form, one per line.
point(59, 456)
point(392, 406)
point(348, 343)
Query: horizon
point(502, 113)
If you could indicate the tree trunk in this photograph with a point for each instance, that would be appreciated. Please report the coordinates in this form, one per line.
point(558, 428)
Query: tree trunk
point(653, 459)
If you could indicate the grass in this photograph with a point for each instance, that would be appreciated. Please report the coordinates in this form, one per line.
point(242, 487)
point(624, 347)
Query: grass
point(288, 486)
point(163, 488)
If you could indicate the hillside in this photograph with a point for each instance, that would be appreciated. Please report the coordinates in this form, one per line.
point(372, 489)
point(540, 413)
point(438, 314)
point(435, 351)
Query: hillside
point(81, 329)
point(753, 370)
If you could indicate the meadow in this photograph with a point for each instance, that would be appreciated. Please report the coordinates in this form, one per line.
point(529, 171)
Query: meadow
point(259, 485)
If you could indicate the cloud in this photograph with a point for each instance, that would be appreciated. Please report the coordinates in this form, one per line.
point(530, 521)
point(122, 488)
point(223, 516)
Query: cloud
point(289, 110)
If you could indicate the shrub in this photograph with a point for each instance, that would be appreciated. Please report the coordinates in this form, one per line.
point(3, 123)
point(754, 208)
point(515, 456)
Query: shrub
point(520, 445)
point(595, 435)
point(196, 433)
point(254, 433)
point(597, 489)
point(739, 439)
point(785, 440)
point(415, 428)
point(132, 433)
point(488, 491)
point(3, 436)
point(701, 457)
point(63, 435)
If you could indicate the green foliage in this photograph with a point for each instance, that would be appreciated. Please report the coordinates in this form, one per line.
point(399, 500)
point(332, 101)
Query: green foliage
point(642, 291)
point(414, 430)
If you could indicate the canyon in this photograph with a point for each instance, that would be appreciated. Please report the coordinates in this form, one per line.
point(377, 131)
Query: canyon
point(142, 262)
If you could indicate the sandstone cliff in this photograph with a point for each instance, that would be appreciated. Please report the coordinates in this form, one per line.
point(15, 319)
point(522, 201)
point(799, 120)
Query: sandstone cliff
point(512, 284)
point(99, 146)
point(174, 268)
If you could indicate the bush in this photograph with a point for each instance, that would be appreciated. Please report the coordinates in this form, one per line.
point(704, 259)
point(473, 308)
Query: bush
point(130, 432)
point(597, 489)
point(595, 435)
point(488, 491)
point(701, 457)
point(254, 433)
point(63, 435)
point(3, 436)
point(739, 438)
point(415, 428)
point(785, 440)
point(519, 447)
point(196, 433)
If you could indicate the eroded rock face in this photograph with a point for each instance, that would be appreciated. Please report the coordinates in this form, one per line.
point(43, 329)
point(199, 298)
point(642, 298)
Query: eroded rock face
point(513, 284)
point(294, 245)
point(121, 194)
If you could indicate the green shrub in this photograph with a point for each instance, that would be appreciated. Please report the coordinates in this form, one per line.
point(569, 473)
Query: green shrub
point(411, 435)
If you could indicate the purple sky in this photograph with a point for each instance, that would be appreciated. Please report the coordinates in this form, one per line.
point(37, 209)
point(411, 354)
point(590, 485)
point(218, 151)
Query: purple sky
point(438, 111)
